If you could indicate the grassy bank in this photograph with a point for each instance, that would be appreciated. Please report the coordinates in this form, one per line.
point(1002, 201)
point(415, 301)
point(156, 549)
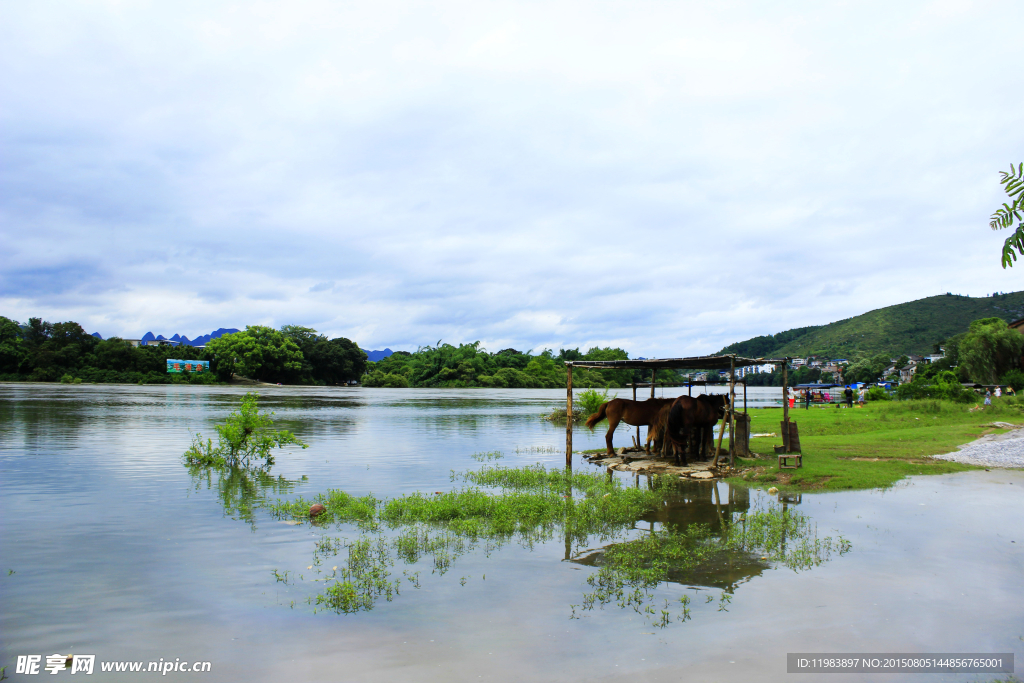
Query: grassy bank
point(874, 446)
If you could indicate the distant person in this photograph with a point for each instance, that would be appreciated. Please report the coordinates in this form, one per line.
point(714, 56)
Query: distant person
point(1010, 391)
point(988, 397)
point(862, 396)
point(848, 393)
point(999, 392)
point(807, 399)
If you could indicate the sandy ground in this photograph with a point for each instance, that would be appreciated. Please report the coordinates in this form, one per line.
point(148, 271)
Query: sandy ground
point(994, 450)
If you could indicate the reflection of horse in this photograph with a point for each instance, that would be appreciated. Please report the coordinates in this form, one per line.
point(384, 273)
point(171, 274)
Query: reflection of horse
point(688, 414)
point(631, 412)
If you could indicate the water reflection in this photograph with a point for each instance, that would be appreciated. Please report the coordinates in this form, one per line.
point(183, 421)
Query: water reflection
point(242, 492)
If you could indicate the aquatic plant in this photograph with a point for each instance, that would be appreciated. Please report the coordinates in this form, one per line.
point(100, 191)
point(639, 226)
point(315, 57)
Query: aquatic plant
point(489, 455)
point(245, 441)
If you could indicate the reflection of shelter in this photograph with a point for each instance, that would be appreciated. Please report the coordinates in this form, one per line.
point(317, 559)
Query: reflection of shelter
point(730, 363)
point(711, 504)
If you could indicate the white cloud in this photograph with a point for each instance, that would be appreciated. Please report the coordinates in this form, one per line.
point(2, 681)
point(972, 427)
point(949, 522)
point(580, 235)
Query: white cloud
point(669, 177)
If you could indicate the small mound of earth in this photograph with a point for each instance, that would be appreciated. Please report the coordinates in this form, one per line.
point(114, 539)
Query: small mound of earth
point(994, 450)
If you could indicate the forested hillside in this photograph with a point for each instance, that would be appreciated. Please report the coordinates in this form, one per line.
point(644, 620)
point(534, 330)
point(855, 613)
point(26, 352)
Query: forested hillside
point(911, 328)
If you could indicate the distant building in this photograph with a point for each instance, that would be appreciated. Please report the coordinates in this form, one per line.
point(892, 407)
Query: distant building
point(162, 342)
point(907, 372)
point(797, 362)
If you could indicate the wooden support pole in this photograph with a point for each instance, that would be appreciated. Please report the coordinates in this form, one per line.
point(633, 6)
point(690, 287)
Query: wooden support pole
point(785, 404)
point(638, 426)
point(721, 433)
point(568, 417)
point(654, 376)
point(732, 413)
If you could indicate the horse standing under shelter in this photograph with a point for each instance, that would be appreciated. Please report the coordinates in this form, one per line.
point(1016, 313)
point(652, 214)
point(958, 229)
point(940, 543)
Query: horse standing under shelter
point(687, 414)
point(631, 412)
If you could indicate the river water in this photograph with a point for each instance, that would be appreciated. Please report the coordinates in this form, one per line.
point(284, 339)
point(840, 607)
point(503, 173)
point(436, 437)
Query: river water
point(108, 546)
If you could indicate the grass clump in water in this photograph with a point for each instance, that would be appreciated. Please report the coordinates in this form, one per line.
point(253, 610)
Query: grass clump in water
point(489, 455)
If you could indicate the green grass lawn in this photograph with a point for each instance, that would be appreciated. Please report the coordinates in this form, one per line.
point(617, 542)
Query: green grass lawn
point(874, 446)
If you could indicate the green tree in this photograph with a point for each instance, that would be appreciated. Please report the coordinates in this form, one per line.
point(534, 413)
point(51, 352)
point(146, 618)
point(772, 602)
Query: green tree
point(12, 348)
point(989, 349)
point(1004, 217)
point(259, 352)
point(326, 361)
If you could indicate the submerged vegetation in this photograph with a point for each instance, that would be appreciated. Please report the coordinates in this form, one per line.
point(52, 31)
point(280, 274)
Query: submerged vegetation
point(630, 572)
point(491, 507)
point(532, 505)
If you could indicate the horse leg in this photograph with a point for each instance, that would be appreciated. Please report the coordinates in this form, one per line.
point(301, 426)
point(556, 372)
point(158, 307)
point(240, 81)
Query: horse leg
point(683, 447)
point(612, 424)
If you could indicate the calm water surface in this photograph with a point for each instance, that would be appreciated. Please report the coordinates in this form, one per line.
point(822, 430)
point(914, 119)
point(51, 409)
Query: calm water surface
point(117, 551)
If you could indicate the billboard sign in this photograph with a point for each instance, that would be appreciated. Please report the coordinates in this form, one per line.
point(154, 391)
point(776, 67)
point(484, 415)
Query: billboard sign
point(175, 365)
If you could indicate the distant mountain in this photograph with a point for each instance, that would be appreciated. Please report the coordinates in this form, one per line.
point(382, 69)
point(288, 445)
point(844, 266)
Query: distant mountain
point(377, 355)
point(198, 341)
point(910, 328)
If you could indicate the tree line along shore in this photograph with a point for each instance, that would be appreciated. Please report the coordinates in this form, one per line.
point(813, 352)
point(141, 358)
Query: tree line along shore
point(988, 352)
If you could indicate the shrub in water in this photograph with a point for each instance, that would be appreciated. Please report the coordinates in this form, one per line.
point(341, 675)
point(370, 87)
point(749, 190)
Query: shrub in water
point(245, 441)
point(591, 399)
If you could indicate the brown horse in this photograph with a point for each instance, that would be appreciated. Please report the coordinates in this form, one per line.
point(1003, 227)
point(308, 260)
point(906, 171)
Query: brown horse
point(631, 412)
point(688, 414)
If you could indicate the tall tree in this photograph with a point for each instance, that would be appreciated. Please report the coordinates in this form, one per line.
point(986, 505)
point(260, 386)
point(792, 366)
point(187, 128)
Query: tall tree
point(258, 352)
point(989, 349)
point(1004, 217)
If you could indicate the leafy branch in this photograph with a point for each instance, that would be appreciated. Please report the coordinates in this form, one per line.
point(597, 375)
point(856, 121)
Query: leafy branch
point(1007, 213)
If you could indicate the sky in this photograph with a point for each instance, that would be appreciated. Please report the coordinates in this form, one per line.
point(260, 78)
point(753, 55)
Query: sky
point(665, 177)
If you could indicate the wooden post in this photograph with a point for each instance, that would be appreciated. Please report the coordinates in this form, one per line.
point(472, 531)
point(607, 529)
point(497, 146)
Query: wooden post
point(785, 405)
point(568, 416)
point(721, 433)
point(732, 413)
point(638, 426)
point(654, 375)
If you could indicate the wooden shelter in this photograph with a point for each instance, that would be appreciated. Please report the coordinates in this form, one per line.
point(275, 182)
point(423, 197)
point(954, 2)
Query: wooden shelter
point(730, 363)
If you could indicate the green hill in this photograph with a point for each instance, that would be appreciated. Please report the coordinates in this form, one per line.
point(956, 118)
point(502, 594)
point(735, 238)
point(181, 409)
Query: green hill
point(910, 328)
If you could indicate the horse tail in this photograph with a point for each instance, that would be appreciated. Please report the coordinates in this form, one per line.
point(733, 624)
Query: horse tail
point(598, 416)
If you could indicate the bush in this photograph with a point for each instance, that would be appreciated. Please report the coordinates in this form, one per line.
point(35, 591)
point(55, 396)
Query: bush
point(944, 386)
point(877, 393)
point(591, 399)
point(390, 380)
point(245, 441)
point(1014, 378)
